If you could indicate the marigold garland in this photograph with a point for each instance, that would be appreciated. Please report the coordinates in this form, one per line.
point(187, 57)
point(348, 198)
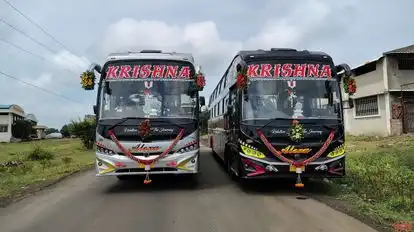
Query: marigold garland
point(241, 79)
point(296, 131)
point(200, 81)
point(350, 86)
point(88, 80)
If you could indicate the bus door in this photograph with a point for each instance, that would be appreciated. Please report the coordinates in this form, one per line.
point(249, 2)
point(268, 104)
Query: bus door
point(230, 118)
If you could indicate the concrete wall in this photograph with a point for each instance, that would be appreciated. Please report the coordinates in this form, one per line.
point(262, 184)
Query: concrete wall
point(367, 125)
point(5, 120)
point(397, 77)
point(371, 83)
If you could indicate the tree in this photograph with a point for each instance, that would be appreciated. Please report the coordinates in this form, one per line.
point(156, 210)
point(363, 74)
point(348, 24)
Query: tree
point(51, 130)
point(22, 129)
point(65, 131)
point(85, 130)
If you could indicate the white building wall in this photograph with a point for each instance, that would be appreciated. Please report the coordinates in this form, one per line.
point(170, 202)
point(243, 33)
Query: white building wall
point(367, 125)
point(5, 120)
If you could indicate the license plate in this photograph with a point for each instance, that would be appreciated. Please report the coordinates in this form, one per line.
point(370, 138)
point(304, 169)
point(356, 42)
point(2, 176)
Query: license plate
point(143, 165)
point(293, 168)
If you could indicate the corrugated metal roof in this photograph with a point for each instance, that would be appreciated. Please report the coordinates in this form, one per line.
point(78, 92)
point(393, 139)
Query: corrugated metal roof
point(367, 62)
point(5, 106)
point(404, 50)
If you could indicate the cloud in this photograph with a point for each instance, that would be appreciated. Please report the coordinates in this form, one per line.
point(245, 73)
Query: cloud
point(69, 61)
point(204, 40)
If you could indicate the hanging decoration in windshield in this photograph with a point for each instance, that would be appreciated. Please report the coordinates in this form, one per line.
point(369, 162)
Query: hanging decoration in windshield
point(289, 70)
point(147, 71)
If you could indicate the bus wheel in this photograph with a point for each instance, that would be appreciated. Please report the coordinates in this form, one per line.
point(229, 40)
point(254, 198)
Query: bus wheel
point(233, 165)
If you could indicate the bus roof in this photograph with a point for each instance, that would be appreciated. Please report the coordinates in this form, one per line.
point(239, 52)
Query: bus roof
point(281, 52)
point(151, 54)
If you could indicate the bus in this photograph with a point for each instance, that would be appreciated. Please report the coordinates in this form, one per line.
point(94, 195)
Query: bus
point(278, 113)
point(147, 111)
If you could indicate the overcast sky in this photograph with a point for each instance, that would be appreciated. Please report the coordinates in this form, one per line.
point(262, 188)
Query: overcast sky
point(352, 31)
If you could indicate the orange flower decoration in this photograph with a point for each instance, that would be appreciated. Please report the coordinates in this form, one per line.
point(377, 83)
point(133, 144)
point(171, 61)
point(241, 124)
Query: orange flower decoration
point(200, 81)
point(241, 80)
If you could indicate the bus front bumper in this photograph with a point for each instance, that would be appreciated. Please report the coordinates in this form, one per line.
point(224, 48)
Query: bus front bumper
point(254, 168)
point(177, 163)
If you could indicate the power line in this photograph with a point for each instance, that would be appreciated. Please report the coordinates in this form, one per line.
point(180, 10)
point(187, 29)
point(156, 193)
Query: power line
point(38, 87)
point(22, 49)
point(31, 53)
point(28, 36)
point(36, 41)
point(38, 26)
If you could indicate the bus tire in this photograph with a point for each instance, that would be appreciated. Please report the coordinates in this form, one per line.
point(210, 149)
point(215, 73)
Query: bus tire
point(231, 157)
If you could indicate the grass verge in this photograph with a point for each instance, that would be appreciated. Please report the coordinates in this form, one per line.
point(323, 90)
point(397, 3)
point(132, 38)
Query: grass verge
point(379, 181)
point(23, 166)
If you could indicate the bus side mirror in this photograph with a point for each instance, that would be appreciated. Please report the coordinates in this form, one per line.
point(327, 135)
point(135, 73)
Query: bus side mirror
point(95, 109)
point(202, 101)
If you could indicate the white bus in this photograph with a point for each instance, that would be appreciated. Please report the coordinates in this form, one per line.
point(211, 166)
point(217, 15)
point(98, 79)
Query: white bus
point(147, 114)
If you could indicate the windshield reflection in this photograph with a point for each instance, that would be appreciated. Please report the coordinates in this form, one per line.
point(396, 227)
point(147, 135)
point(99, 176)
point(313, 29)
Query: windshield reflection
point(155, 98)
point(295, 99)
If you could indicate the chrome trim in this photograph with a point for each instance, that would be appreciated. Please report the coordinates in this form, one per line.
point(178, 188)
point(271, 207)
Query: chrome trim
point(283, 163)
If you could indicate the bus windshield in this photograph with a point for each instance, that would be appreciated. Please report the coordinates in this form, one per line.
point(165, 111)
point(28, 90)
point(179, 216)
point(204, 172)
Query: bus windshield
point(292, 97)
point(148, 98)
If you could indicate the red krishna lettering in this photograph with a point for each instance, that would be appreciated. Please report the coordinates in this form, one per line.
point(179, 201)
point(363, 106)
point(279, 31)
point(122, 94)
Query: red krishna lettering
point(322, 71)
point(147, 71)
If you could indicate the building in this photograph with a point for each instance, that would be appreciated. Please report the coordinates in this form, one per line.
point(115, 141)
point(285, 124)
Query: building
point(11, 113)
point(40, 131)
point(384, 102)
point(8, 115)
point(32, 118)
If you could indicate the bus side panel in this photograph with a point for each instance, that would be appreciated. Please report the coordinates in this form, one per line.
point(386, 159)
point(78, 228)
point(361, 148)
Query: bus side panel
point(217, 136)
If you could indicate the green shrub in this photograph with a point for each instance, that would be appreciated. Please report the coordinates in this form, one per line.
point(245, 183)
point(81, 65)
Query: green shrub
point(67, 160)
point(382, 177)
point(38, 153)
point(85, 130)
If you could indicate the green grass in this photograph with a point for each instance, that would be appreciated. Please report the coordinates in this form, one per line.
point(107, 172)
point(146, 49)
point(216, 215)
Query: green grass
point(39, 161)
point(380, 177)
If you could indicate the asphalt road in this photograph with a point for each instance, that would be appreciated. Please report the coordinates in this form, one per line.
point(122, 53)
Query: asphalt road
point(86, 203)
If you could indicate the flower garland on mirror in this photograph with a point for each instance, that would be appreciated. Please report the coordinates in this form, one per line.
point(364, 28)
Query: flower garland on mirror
point(88, 80)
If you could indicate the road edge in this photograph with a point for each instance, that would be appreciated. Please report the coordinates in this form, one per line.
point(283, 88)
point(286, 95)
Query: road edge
point(350, 210)
point(35, 188)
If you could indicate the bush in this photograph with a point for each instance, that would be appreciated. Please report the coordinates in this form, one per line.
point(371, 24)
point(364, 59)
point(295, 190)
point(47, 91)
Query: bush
point(67, 160)
point(65, 131)
point(380, 172)
point(22, 129)
point(85, 130)
point(38, 153)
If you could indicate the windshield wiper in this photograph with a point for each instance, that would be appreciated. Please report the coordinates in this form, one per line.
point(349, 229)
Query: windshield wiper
point(273, 119)
point(122, 121)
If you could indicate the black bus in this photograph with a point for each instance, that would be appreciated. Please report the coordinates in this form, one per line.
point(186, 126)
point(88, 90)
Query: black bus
point(279, 114)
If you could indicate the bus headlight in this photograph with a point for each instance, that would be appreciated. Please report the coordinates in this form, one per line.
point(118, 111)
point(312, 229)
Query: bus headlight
point(188, 148)
point(104, 150)
point(251, 151)
point(338, 151)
